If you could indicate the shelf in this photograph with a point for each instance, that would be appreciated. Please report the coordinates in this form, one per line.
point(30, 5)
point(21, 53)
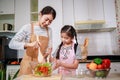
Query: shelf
point(90, 22)
point(95, 30)
point(1, 31)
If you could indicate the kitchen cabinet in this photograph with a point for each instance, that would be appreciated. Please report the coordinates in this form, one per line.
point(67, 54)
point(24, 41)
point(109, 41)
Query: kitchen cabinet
point(11, 70)
point(7, 6)
point(6, 12)
point(115, 67)
point(68, 12)
point(88, 10)
point(91, 15)
point(22, 13)
point(34, 10)
point(110, 13)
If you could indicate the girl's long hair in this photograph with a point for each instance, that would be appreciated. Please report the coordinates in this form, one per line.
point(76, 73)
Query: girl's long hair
point(71, 32)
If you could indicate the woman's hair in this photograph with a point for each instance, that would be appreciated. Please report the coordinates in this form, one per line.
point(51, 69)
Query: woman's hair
point(71, 32)
point(48, 10)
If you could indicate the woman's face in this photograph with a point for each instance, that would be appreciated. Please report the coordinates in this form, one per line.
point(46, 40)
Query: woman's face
point(45, 20)
point(66, 39)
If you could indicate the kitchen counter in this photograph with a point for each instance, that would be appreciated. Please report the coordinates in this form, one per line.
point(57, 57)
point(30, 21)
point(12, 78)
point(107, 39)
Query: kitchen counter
point(112, 76)
point(113, 58)
point(32, 77)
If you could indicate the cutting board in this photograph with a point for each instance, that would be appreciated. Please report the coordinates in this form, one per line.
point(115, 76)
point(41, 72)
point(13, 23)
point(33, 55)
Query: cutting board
point(32, 77)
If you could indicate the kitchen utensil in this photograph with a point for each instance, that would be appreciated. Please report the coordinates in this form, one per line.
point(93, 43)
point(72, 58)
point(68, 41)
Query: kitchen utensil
point(7, 26)
point(40, 56)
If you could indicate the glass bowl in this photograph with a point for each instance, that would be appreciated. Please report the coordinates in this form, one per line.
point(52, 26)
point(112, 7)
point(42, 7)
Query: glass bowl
point(41, 69)
point(100, 73)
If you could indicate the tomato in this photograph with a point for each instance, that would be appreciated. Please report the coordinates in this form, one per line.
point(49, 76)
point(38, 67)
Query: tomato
point(100, 66)
point(87, 65)
point(106, 63)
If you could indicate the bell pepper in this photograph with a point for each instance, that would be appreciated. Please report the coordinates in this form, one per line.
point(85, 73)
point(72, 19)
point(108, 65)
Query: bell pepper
point(97, 60)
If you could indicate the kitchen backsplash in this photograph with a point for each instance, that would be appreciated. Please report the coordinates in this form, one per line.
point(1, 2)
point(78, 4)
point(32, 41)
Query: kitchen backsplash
point(100, 43)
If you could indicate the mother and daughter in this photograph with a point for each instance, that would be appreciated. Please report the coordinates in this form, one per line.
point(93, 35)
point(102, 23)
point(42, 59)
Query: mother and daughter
point(37, 35)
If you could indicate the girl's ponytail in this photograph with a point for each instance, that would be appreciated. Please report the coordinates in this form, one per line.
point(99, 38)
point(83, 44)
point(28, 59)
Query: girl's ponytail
point(57, 56)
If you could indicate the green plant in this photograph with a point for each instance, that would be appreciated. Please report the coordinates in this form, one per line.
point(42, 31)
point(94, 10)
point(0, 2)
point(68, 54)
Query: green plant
point(15, 75)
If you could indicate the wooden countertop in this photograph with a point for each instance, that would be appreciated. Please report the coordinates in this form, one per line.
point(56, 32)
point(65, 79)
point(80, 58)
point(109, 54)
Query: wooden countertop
point(32, 77)
point(112, 76)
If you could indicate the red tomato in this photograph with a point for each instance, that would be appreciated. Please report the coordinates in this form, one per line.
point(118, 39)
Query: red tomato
point(100, 66)
point(87, 65)
point(106, 63)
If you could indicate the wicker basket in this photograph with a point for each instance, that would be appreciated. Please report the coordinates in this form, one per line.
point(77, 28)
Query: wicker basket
point(101, 73)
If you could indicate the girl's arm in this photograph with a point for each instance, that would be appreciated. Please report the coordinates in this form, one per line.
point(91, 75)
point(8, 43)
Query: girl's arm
point(74, 65)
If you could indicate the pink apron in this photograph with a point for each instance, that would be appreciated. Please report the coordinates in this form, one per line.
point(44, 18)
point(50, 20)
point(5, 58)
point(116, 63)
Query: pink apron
point(67, 56)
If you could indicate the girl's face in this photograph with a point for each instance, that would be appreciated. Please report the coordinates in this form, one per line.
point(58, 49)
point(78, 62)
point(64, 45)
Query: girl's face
point(45, 20)
point(66, 39)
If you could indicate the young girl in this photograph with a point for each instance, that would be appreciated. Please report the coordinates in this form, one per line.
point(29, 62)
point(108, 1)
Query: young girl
point(67, 55)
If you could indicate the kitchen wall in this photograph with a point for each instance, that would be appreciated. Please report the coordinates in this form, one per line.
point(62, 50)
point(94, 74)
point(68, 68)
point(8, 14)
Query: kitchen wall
point(100, 43)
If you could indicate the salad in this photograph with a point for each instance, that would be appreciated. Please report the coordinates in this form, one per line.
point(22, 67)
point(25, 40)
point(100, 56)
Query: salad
point(43, 69)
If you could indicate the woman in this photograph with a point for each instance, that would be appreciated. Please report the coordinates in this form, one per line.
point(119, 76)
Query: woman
point(33, 37)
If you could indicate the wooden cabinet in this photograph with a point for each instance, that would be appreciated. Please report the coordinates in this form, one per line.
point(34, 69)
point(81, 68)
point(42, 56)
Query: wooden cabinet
point(7, 6)
point(22, 13)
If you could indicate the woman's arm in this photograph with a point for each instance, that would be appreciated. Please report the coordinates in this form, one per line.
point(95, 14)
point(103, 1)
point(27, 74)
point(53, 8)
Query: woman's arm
point(20, 38)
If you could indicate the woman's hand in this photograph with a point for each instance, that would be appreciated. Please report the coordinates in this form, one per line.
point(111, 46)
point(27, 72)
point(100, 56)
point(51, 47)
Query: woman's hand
point(34, 44)
point(48, 52)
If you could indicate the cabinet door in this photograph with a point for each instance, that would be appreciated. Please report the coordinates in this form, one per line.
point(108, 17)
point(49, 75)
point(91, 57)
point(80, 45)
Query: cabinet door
point(115, 67)
point(80, 10)
point(6, 6)
point(110, 14)
point(68, 12)
point(95, 10)
point(22, 13)
point(88, 10)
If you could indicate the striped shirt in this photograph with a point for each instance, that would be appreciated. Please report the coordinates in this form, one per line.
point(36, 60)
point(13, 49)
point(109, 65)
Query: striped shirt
point(23, 36)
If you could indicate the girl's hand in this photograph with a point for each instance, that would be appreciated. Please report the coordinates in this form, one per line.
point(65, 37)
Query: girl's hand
point(58, 63)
